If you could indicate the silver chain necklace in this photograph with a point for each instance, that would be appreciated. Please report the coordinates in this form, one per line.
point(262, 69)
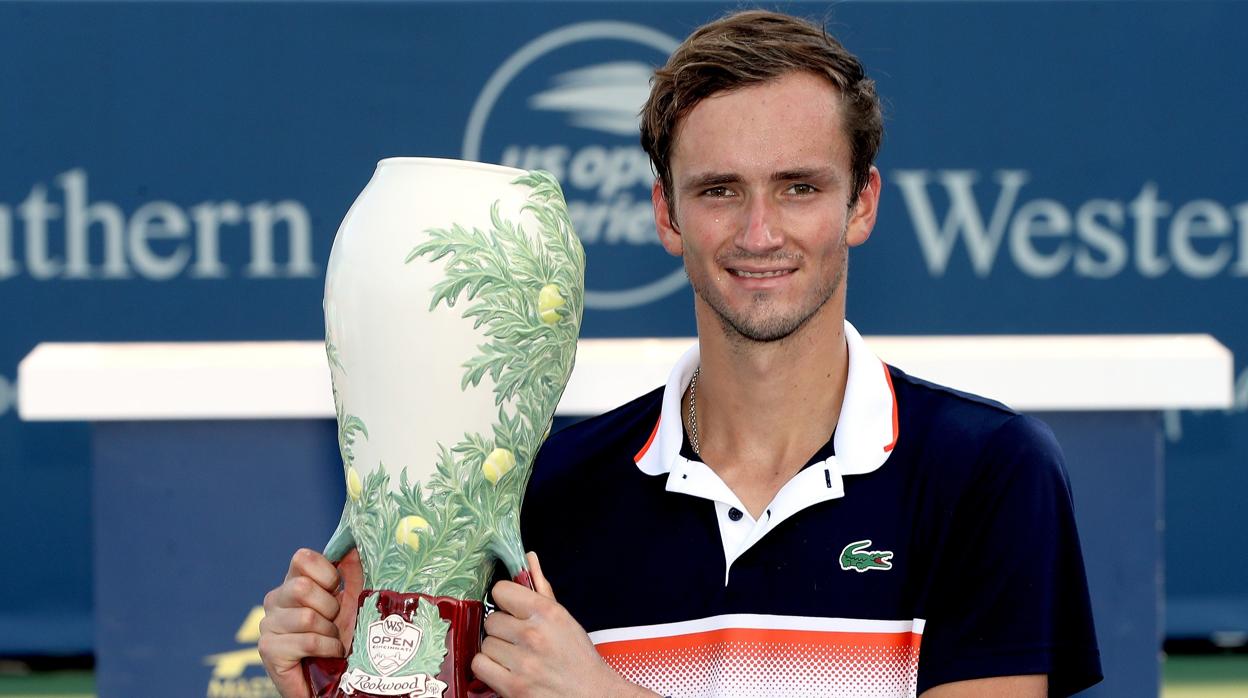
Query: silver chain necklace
point(693, 412)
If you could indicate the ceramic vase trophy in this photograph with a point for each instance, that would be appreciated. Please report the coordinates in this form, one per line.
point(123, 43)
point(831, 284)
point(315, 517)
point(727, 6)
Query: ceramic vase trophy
point(452, 307)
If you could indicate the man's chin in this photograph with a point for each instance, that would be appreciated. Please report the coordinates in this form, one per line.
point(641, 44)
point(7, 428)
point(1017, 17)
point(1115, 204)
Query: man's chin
point(761, 331)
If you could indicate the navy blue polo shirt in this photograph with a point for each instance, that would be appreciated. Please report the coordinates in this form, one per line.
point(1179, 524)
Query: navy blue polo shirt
point(932, 539)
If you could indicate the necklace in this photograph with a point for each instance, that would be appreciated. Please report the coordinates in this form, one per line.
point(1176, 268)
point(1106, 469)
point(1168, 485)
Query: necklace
point(693, 412)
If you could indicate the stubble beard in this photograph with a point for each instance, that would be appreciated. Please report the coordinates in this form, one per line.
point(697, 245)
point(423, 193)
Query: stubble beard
point(761, 323)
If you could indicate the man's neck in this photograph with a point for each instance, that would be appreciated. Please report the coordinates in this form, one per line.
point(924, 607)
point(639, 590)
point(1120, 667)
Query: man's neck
point(764, 408)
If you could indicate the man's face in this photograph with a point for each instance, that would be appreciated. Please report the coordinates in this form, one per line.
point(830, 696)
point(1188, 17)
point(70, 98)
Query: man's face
point(761, 185)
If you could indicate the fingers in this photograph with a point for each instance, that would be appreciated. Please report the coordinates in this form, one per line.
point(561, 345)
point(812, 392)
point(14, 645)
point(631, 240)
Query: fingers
point(504, 626)
point(519, 601)
point(503, 665)
point(301, 592)
point(285, 651)
point(539, 580)
point(494, 675)
point(303, 604)
point(315, 566)
point(285, 621)
point(505, 654)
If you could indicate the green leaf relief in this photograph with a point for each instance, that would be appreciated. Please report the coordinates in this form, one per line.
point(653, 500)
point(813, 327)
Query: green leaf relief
point(432, 650)
point(368, 615)
point(527, 295)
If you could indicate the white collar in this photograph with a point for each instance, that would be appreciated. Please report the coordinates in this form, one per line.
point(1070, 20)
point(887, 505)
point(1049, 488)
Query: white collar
point(865, 432)
point(865, 435)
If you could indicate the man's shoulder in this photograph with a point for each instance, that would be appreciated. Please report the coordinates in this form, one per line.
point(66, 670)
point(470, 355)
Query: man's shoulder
point(936, 399)
point(591, 445)
point(957, 422)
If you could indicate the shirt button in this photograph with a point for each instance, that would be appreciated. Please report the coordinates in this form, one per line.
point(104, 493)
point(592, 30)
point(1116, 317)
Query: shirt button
point(735, 514)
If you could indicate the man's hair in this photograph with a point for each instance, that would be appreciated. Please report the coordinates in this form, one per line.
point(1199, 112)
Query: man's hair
point(749, 48)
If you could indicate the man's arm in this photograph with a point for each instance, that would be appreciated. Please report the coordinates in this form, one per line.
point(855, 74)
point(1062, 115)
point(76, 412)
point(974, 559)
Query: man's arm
point(1034, 686)
point(1009, 593)
point(535, 648)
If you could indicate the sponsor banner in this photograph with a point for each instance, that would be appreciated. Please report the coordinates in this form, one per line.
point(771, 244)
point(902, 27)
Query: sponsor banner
point(237, 672)
point(177, 172)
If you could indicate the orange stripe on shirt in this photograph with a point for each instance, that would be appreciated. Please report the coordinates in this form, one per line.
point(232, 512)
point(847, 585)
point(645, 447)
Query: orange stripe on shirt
point(760, 636)
point(641, 454)
point(896, 429)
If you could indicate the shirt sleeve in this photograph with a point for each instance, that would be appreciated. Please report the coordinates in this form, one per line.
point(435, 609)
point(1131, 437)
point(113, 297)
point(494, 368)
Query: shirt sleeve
point(1009, 594)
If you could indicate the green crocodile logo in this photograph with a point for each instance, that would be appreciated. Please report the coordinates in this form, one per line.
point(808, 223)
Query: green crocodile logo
point(855, 557)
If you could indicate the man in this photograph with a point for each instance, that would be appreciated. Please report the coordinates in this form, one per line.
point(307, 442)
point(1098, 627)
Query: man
point(788, 515)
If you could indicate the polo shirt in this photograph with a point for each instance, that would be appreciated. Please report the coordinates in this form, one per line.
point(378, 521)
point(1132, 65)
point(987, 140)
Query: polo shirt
point(931, 539)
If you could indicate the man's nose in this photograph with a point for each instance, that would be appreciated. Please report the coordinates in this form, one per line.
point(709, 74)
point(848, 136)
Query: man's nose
point(762, 232)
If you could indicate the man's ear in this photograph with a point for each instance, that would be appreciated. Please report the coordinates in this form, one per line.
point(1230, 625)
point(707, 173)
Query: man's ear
point(862, 217)
point(669, 234)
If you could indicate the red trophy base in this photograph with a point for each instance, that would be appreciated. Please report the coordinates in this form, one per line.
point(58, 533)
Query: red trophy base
point(463, 641)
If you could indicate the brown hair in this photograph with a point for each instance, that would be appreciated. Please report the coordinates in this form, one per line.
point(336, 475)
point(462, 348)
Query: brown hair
point(748, 48)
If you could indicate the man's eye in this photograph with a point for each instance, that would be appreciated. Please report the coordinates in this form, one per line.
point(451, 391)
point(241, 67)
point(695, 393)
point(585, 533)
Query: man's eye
point(717, 192)
point(802, 189)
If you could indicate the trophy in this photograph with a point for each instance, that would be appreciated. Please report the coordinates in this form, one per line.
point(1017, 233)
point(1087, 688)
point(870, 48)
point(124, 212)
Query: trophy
point(452, 307)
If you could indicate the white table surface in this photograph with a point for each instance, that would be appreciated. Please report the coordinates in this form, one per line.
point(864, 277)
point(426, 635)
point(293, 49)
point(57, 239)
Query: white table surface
point(283, 380)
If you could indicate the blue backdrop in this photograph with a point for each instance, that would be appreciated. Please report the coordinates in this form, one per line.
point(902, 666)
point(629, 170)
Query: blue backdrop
point(176, 171)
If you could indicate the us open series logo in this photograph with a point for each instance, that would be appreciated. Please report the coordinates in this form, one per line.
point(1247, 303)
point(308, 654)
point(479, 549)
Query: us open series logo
point(567, 102)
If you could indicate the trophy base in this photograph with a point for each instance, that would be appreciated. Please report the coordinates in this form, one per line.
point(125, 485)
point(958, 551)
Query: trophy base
point(325, 675)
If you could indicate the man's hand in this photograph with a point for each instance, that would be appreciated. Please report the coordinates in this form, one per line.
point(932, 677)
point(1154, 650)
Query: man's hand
point(309, 616)
point(535, 648)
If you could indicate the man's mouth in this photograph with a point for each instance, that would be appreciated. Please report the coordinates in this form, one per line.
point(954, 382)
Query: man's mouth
point(760, 274)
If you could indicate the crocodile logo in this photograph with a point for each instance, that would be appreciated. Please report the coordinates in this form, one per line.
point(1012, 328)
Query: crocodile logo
point(856, 557)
